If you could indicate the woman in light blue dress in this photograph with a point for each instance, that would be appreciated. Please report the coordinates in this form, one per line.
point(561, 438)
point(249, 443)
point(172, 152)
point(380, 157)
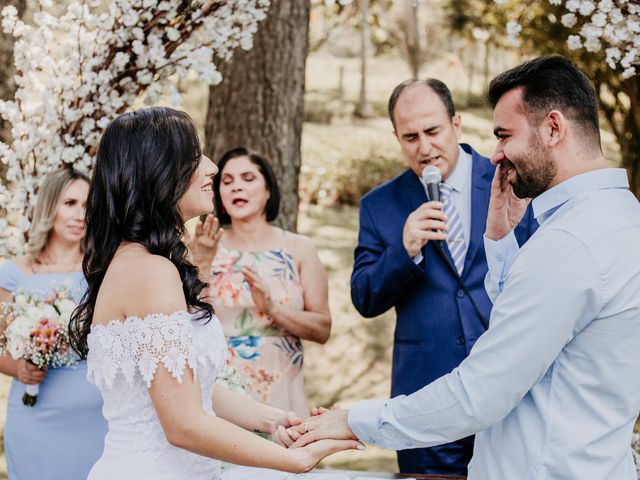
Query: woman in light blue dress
point(62, 436)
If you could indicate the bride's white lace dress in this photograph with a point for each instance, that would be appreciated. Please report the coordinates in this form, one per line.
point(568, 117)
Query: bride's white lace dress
point(122, 360)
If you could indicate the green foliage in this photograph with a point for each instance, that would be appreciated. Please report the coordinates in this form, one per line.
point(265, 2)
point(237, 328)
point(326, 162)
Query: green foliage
point(346, 183)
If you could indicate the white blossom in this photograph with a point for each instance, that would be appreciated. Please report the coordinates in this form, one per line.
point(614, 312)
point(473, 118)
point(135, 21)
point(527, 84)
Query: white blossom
point(569, 20)
point(605, 5)
point(78, 70)
point(609, 25)
point(599, 19)
point(586, 7)
point(572, 5)
point(574, 42)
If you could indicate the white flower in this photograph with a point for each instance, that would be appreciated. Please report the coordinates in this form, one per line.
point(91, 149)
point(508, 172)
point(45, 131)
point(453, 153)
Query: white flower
point(629, 72)
point(48, 311)
point(172, 34)
point(599, 19)
point(121, 59)
point(605, 5)
point(20, 300)
point(574, 42)
point(616, 15)
point(66, 307)
point(9, 18)
point(572, 5)
point(613, 55)
point(592, 44)
point(586, 7)
point(569, 20)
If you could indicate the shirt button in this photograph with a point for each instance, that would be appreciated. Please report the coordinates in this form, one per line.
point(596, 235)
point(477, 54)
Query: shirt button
point(460, 293)
point(460, 340)
point(499, 257)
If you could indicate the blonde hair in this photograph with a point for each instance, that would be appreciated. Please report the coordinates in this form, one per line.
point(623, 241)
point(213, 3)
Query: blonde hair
point(49, 198)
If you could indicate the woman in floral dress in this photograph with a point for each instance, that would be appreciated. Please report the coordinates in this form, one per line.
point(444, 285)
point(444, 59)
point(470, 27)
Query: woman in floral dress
point(267, 285)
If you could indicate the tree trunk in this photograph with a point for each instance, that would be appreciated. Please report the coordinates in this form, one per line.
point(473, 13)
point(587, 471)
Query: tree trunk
point(414, 50)
point(629, 137)
point(7, 69)
point(260, 102)
point(363, 108)
point(620, 102)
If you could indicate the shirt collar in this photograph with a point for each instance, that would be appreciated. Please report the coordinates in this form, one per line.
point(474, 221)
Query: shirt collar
point(458, 178)
point(545, 204)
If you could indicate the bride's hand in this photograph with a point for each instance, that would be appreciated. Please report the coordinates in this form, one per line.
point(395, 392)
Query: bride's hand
point(310, 455)
point(279, 431)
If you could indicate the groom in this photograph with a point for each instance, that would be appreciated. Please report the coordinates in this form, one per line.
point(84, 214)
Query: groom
point(552, 388)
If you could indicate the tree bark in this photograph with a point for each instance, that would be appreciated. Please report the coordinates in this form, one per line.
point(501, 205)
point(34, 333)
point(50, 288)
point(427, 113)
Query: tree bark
point(363, 108)
point(259, 104)
point(414, 49)
point(629, 136)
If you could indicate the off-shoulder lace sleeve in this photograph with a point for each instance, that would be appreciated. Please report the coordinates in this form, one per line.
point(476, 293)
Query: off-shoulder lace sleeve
point(137, 344)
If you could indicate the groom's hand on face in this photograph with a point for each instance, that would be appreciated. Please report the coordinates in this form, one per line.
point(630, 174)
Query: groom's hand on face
point(330, 424)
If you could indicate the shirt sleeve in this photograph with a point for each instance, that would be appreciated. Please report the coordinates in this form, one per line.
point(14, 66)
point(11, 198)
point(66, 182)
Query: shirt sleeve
point(553, 291)
point(9, 276)
point(500, 255)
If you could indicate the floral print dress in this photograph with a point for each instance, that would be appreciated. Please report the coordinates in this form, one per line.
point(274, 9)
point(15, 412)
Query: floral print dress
point(269, 358)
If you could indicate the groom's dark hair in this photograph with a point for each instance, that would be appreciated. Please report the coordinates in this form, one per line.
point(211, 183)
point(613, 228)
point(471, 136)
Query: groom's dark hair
point(552, 82)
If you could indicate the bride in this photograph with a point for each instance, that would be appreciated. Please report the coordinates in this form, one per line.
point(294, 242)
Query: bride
point(153, 347)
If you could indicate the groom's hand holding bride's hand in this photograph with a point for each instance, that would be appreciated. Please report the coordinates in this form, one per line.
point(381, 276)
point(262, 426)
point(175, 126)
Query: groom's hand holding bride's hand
point(325, 424)
point(287, 429)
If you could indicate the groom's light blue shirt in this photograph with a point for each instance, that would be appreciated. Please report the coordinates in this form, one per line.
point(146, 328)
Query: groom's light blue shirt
point(553, 386)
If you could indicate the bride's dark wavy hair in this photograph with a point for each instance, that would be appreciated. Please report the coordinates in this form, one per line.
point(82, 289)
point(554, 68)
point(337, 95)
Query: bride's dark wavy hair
point(146, 160)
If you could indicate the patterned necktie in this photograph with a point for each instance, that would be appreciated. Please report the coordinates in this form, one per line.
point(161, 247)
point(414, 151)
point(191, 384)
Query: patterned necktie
point(455, 234)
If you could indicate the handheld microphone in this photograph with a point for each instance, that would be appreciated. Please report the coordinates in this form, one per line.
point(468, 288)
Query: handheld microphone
point(431, 177)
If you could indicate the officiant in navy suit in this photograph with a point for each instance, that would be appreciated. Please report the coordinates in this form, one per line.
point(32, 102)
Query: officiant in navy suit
point(425, 258)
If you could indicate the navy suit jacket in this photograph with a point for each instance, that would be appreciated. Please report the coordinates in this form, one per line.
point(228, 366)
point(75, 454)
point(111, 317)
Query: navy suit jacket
point(436, 323)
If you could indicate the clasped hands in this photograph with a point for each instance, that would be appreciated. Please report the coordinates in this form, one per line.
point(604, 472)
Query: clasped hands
point(323, 424)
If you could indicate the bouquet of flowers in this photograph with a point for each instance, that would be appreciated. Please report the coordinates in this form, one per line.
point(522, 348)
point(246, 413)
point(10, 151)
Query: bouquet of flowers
point(230, 378)
point(36, 329)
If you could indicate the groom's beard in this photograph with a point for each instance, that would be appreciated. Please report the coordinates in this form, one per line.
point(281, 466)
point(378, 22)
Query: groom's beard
point(534, 170)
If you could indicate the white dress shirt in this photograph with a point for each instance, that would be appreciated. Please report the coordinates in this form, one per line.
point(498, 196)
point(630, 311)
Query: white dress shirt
point(553, 387)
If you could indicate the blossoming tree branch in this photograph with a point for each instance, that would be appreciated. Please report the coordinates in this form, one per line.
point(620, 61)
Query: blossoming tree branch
point(77, 71)
point(612, 25)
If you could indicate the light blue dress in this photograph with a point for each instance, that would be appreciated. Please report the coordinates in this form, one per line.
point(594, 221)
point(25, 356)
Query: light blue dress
point(62, 436)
